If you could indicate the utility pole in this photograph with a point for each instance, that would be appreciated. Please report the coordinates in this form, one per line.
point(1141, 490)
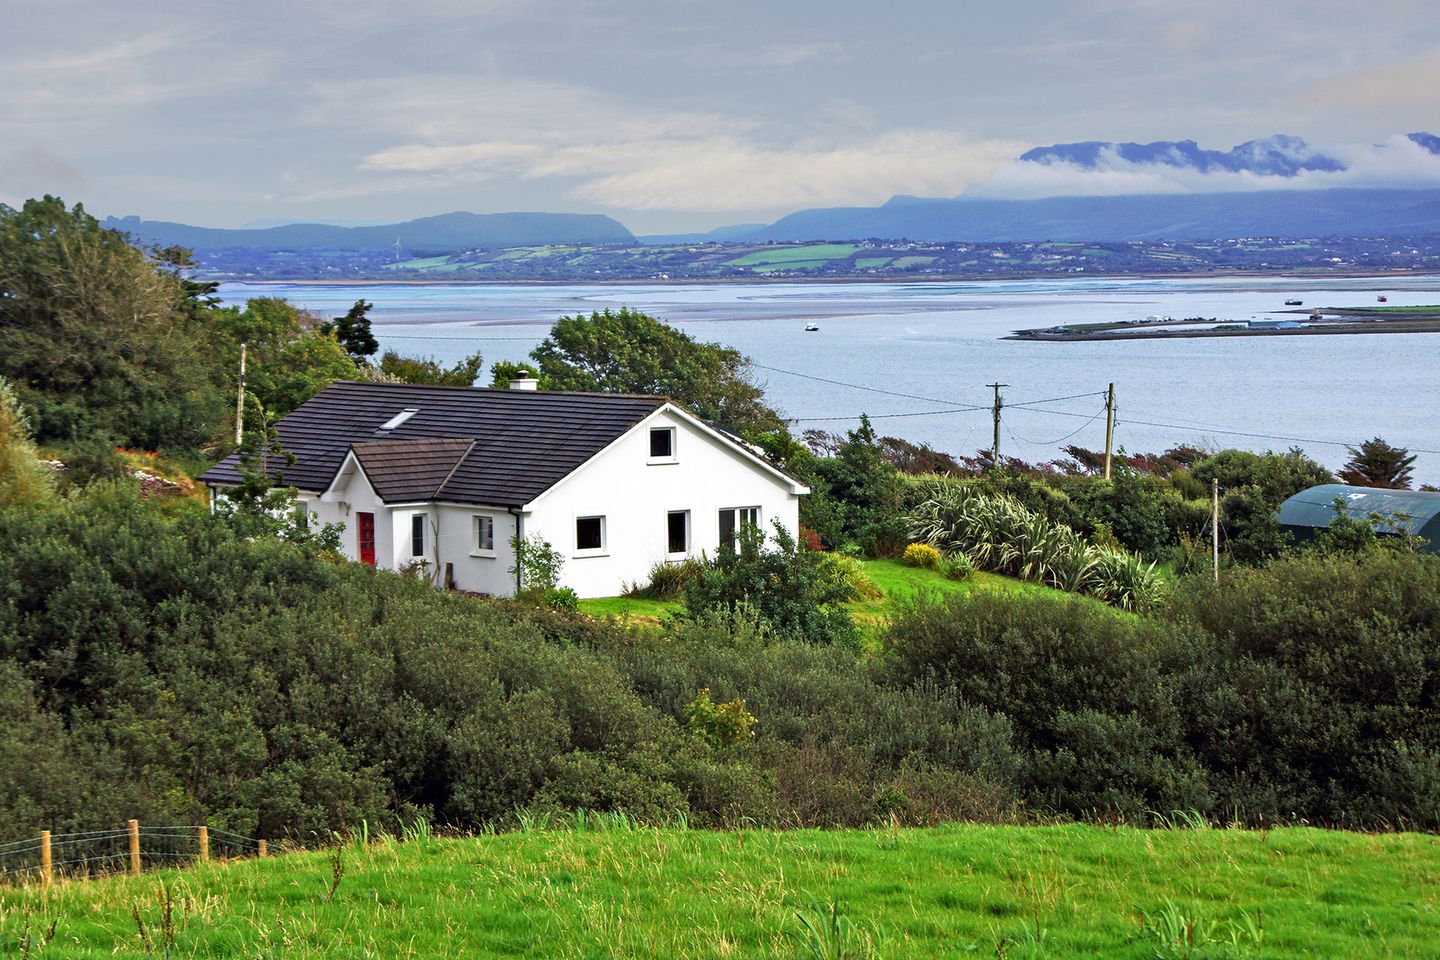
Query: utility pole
point(1109, 426)
point(240, 400)
point(999, 404)
point(1215, 525)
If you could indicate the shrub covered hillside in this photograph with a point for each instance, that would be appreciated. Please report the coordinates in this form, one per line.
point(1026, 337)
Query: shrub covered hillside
point(155, 664)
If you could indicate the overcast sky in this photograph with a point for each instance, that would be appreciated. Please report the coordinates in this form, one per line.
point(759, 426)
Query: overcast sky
point(668, 115)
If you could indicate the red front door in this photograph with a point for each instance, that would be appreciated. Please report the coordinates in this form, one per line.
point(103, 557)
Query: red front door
point(366, 522)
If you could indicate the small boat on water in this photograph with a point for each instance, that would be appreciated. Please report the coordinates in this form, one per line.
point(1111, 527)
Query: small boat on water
point(1294, 303)
point(812, 327)
point(1382, 299)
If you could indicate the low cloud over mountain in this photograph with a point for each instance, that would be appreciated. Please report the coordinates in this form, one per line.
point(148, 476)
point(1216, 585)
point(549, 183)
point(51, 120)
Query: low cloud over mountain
point(1098, 168)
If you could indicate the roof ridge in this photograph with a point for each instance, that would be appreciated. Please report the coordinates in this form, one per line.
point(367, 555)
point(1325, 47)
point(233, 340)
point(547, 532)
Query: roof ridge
point(656, 397)
point(455, 466)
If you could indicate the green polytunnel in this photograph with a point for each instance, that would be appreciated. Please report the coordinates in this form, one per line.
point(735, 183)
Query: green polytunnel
point(1414, 513)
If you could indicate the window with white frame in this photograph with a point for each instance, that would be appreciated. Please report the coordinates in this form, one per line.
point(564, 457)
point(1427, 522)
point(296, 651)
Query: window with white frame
point(418, 523)
point(732, 519)
point(589, 534)
point(677, 532)
point(484, 526)
point(662, 444)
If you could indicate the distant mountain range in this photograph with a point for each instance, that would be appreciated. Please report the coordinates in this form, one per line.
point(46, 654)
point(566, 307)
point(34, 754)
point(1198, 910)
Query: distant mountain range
point(1198, 216)
point(1379, 190)
point(446, 233)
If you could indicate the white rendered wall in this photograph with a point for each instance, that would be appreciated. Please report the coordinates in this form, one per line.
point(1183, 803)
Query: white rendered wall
point(452, 542)
point(356, 497)
point(474, 570)
point(636, 495)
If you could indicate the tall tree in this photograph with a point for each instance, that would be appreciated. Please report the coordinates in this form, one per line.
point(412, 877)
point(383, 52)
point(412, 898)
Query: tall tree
point(353, 332)
point(289, 359)
point(1377, 464)
point(96, 337)
point(625, 351)
point(429, 372)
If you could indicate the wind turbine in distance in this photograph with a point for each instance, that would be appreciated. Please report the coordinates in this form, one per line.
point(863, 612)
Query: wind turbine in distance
point(397, 249)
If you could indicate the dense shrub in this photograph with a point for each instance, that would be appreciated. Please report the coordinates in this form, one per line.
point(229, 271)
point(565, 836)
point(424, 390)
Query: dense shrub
point(154, 663)
point(1319, 695)
point(791, 590)
point(168, 670)
point(1083, 689)
point(956, 567)
point(668, 580)
point(1001, 535)
point(921, 555)
point(851, 572)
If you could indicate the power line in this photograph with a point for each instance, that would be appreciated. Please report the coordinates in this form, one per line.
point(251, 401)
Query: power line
point(1052, 413)
point(1257, 436)
point(403, 336)
point(1048, 443)
point(888, 416)
point(859, 386)
point(1073, 396)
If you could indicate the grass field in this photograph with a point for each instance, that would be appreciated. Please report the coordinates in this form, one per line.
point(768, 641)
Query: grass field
point(984, 891)
point(788, 256)
point(897, 581)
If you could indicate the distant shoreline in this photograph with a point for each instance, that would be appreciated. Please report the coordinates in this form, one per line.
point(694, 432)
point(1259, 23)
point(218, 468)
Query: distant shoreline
point(1299, 277)
point(1316, 330)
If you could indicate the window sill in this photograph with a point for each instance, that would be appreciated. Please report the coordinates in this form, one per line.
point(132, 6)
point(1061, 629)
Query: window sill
point(483, 554)
point(661, 461)
point(587, 554)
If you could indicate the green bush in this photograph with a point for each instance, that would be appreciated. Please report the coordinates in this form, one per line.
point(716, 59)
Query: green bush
point(1001, 535)
point(790, 589)
point(669, 580)
point(1089, 705)
point(1319, 692)
point(851, 572)
point(921, 555)
point(956, 566)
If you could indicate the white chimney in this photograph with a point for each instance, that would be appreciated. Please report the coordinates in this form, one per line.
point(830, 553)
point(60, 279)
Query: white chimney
point(523, 381)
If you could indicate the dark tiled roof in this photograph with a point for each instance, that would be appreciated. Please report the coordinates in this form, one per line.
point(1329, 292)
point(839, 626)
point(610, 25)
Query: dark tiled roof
point(407, 470)
point(522, 442)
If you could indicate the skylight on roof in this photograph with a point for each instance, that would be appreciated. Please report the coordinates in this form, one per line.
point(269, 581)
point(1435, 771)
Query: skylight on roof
point(399, 418)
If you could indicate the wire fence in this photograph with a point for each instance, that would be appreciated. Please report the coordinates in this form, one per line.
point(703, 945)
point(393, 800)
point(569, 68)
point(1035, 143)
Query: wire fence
point(128, 849)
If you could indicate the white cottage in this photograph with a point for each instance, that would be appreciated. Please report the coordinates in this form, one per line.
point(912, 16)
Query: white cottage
point(446, 476)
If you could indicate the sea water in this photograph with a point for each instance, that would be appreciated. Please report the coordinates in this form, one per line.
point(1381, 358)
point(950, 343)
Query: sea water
point(918, 357)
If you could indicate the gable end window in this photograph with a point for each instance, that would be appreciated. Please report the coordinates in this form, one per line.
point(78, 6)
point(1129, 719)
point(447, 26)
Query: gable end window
point(662, 443)
point(417, 534)
point(484, 533)
point(589, 533)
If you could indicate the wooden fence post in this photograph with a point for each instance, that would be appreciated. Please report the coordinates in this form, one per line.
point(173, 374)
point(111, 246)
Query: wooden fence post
point(134, 826)
point(204, 843)
point(261, 849)
point(47, 868)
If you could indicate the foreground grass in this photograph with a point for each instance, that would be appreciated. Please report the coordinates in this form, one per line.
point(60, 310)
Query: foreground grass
point(1067, 891)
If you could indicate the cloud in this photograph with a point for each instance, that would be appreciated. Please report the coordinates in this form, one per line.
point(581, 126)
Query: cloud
point(32, 171)
point(719, 172)
point(1396, 162)
point(1412, 82)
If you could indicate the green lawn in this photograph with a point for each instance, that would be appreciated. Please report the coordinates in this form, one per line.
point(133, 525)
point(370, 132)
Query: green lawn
point(958, 891)
point(635, 608)
point(896, 580)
